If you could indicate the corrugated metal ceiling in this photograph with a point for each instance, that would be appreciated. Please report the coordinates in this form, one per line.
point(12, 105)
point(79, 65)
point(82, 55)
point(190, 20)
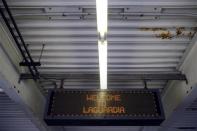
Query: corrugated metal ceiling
point(13, 117)
point(143, 36)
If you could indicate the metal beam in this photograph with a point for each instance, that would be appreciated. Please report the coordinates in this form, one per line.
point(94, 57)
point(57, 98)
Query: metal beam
point(25, 51)
point(188, 49)
point(16, 40)
point(60, 3)
point(92, 32)
point(150, 76)
point(56, 47)
point(184, 115)
point(177, 92)
point(112, 23)
point(24, 93)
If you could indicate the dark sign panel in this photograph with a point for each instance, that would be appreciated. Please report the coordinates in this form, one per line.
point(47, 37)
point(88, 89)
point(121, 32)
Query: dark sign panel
point(104, 107)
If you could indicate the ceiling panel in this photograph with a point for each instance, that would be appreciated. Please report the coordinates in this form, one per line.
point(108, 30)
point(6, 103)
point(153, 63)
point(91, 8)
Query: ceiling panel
point(13, 117)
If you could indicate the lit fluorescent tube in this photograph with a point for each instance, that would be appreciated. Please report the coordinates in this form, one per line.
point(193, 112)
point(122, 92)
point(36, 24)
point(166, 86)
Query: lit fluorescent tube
point(102, 49)
point(101, 10)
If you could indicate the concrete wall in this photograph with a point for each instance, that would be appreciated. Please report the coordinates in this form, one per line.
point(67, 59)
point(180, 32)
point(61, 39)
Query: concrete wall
point(25, 93)
point(177, 90)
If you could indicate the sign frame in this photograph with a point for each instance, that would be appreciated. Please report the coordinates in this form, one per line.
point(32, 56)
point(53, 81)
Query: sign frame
point(103, 120)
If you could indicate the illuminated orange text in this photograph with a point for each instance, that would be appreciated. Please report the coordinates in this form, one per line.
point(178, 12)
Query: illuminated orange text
point(103, 104)
point(103, 97)
point(103, 110)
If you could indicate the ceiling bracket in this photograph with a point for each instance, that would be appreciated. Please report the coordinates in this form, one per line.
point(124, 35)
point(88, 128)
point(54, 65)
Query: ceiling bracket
point(23, 63)
point(186, 80)
point(145, 84)
point(62, 84)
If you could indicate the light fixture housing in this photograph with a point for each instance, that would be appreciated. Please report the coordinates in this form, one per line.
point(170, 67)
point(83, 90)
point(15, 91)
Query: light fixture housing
point(101, 10)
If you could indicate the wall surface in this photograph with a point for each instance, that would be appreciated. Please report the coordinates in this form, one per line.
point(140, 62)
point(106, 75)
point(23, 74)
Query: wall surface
point(179, 96)
point(25, 93)
point(176, 90)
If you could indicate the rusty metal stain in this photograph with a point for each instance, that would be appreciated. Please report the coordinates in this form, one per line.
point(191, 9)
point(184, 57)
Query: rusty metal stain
point(164, 35)
point(179, 31)
point(192, 33)
point(153, 29)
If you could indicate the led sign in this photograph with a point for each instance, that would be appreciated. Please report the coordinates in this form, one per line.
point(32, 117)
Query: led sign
point(104, 107)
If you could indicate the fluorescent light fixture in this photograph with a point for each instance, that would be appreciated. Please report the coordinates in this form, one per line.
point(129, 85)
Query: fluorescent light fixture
point(102, 49)
point(101, 10)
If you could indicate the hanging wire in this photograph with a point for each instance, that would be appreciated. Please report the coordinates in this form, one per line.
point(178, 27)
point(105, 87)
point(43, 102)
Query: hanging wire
point(43, 45)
